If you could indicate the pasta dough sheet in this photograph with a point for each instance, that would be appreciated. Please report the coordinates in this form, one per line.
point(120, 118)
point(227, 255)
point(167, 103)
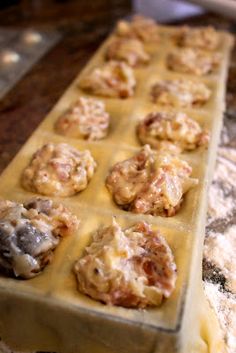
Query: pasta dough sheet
point(47, 313)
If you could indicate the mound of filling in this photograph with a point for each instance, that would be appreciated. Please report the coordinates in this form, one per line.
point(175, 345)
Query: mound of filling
point(150, 183)
point(30, 232)
point(203, 38)
point(58, 170)
point(112, 79)
point(132, 267)
point(193, 61)
point(86, 119)
point(167, 130)
point(142, 28)
point(129, 50)
point(182, 92)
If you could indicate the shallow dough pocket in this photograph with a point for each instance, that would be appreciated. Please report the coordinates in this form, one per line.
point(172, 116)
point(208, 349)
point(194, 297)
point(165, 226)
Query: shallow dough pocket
point(150, 183)
point(112, 79)
point(30, 232)
point(86, 119)
point(203, 38)
point(133, 267)
point(58, 170)
point(180, 92)
point(171, 131)
point(193, 61)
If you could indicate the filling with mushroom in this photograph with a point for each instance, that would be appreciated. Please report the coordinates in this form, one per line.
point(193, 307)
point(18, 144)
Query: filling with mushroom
point(112, 79)
point(193, 61)
point(86, 119)
point(174, 131)
point(182, 92)
point(150, 183)
point(132, 267)
point(129, 50)
point(30, 232)
point(58, 170)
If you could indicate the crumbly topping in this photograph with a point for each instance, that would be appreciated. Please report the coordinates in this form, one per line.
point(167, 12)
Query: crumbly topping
point(192, 61)
point(182, 92)
point(112, 79)
point(58, 169)
point(177, 129)
point(86, 119)
point(132, 267)
point(150, 183)
point(140, 27)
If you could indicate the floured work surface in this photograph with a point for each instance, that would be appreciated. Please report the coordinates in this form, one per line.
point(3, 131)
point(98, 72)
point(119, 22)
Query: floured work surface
point(47, 312)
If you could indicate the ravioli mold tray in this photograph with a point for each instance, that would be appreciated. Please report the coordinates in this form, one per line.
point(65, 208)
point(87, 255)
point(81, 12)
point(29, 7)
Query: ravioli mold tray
point(47, 313)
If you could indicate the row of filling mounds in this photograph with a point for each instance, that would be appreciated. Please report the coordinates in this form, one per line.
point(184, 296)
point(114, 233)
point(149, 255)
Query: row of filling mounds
point(121, 116)
point(159, 52)
point(96, 194)
point(117, 79)
point(57, 282)
point(125, 114)
point(124, 119)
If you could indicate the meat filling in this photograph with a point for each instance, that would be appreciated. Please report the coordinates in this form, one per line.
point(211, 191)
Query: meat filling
point(193, 61)
point(182, 92)
point(112, 79)
point(29, 233)
point(129, 50)
point(58, 170)
point(132, 267)
point(203, 38)
point(149, 183)
point(87, 119)
point(166, 131)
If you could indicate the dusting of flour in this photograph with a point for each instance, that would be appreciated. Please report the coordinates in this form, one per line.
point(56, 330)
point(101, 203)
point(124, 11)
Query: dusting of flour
point(220, 242)
point(222, 193)
point(224, 305)
point(220, 250)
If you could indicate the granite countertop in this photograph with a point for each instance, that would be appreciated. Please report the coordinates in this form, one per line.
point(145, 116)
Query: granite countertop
point(83, 26)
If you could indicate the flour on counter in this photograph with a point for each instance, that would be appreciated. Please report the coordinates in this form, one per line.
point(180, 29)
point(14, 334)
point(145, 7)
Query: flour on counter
point(220, 241)
point(222, 193)
point(224, 305)
point(220, 250)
